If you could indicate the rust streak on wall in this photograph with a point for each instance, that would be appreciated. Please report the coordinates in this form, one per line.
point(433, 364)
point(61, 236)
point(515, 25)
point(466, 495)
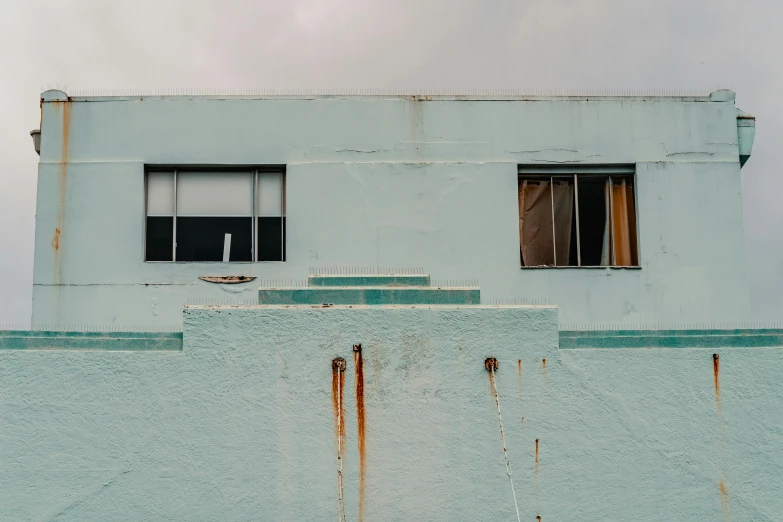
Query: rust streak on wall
point(359, 385)
point(716, 378)
point(536, 456)
point(61, 188)
point(338, 383)
point(519, 377)
point(724, 494)
point(724, 500)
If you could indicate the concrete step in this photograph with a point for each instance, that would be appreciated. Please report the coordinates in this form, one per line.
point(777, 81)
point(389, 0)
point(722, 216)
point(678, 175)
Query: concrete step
point(370, 296)
point(375, 280)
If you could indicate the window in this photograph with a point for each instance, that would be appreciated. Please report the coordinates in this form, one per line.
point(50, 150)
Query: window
point(577, 216)
point(215, 215)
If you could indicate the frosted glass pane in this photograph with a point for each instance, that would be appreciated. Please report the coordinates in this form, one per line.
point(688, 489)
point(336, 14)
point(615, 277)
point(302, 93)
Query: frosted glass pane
point(214, 194)
point(270, 194)
point(160, 194)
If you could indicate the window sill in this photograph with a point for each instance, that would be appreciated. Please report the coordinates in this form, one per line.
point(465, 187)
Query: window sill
point(212, 262)
point(547, 267)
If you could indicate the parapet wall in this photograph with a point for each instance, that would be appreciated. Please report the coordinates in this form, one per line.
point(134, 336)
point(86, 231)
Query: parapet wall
point(242, 423)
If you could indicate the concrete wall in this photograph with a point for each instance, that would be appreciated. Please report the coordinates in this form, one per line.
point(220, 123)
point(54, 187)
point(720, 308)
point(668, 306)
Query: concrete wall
point(240, 425)
point(392, 181)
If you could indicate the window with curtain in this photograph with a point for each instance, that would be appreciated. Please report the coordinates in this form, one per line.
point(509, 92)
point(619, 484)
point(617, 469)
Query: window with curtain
point(215, 215)
point(577, 216)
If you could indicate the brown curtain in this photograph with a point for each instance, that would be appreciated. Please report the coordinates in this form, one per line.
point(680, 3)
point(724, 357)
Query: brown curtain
point(536, 200)
point(624, 223)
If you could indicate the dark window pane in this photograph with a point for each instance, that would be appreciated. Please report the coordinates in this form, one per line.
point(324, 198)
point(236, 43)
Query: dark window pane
point(573, 259)
point(592, 219)
point(201, 238)
point(271, 237)
point(632, 225)
point(160, 238)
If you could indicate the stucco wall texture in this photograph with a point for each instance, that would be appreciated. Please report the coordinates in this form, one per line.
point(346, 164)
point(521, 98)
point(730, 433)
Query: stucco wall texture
point(380, 181)
point(240, 425)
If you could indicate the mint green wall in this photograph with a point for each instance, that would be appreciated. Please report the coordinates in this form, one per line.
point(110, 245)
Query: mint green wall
point(393, 181)
point(239, 424)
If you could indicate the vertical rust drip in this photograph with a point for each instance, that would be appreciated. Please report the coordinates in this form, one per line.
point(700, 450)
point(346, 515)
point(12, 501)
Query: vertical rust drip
point(536, 456)
point(519, 377)
point(724, 501)
point(338, 400)
point(538, 518)
point(716, 378)
point(61, 193)
point(724, 494)
point(490, 363)
point(338, 407)
point(359, 384)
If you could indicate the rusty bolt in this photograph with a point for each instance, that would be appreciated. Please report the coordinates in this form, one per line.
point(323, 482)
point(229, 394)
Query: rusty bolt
point(715, 356)
point(491, 364)
point(357, 347)
point(338, 364)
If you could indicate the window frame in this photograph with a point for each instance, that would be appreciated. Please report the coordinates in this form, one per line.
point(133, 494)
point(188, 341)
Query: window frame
point(550, 173)
point(253, 170)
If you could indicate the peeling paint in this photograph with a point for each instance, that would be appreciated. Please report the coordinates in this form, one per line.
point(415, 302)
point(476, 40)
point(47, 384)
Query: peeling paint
point(56, 239)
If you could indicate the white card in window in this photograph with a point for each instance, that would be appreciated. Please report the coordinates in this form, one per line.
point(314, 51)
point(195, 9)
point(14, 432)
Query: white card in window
point(270, 194)
point(160, 194)
point(214, 194)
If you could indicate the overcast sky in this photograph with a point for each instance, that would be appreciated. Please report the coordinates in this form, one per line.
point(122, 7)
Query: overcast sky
point(80, 44)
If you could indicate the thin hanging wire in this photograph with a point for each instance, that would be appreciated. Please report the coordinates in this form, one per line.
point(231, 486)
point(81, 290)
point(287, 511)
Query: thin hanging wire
point(503, 435)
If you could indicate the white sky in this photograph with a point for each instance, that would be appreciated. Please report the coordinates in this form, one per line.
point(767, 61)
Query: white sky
point(401, 43)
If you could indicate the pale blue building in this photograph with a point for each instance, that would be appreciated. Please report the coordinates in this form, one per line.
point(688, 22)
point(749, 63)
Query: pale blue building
point(583, 352)
point(374, 180)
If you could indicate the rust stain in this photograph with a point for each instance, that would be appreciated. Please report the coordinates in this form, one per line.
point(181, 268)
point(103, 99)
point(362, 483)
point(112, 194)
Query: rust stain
point(490, 363)
point(536, 456)
point(724, 494)
point(338, 400)
point(724, 500)
point(61, 187)
point(360, 425)
point(491, 384)
point(716, 377)
point(538, 518)
point(519, 377)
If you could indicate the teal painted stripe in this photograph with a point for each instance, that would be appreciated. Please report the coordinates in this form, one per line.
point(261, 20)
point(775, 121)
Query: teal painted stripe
point(370, 296)
point(750, 338)
point(97, 341)
point(369, 280)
